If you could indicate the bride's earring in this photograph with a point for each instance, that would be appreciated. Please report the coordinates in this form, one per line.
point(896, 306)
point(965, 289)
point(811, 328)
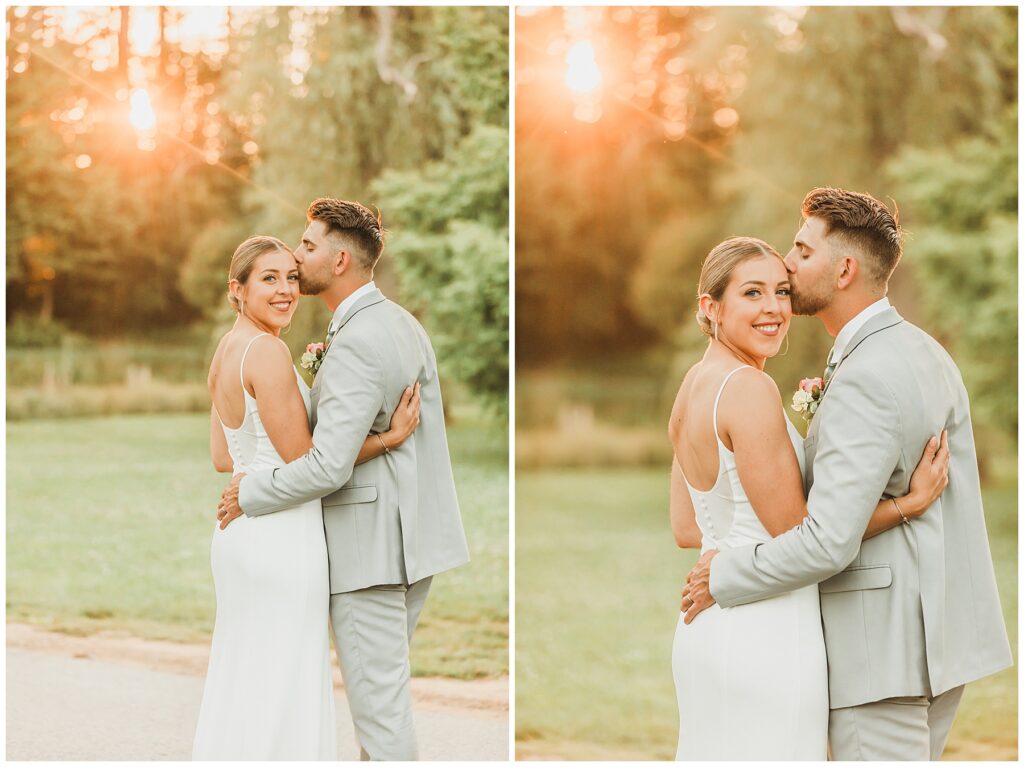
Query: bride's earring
point(787, 347)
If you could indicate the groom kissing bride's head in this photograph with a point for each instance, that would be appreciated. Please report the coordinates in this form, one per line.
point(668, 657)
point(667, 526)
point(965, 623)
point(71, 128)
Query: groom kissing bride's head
point(339, 249)
point(845, 251)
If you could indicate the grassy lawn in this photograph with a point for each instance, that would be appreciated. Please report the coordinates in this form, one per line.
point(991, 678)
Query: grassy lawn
point(109, 523)
point(597, 588)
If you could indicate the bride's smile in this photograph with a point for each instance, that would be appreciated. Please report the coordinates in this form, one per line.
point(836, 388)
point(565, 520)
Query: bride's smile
point(269, 294)
point(753, 314)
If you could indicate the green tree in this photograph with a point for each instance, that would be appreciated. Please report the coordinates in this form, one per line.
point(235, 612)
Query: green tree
point(451, 250)
point(960, 207)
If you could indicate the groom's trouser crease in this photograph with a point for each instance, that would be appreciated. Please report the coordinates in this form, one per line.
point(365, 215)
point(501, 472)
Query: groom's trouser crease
point(895, 729)
point(373, 629)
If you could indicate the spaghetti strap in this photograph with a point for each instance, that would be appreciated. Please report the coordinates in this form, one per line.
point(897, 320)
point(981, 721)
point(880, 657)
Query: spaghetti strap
point(714, 412)
point(241, 365)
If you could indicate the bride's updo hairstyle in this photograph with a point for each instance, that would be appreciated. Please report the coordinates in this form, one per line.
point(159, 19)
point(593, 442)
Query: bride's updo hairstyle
point(719, 266)
point(244, 259)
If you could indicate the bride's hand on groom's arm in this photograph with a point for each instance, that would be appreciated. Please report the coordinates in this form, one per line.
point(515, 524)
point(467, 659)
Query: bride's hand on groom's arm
point(403, 423)
point(929, 479)
point(406, 417)
point(926, 484)
point(228, 508)
point(697, 591)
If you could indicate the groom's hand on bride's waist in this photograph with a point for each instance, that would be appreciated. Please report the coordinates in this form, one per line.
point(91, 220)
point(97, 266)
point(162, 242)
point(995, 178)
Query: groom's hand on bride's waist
point(697, 591)
point(228, 507)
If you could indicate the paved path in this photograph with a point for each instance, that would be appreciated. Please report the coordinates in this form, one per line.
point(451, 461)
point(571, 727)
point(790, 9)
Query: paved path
point(62, 707)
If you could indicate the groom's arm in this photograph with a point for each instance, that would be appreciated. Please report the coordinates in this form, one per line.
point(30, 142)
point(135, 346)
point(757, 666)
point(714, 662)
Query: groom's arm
point(859, 446)
point(351, 396)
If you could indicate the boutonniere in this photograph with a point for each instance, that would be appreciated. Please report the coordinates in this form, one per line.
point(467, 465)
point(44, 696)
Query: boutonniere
point(313, 356)
point(807, 398)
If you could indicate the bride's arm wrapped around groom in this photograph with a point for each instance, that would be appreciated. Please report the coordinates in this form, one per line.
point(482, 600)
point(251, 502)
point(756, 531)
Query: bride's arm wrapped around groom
point(920, 600)
point(347, 410)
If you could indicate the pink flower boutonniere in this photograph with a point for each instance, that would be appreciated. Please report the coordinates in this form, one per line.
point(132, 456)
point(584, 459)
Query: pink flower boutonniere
point(807, 398)
point(313, 356)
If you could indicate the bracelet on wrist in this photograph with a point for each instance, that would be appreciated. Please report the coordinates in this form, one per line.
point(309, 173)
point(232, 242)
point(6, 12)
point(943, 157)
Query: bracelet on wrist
point(384, 445)
point(902, 515)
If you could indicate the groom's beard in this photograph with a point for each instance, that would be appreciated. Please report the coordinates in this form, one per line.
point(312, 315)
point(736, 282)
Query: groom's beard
point(313, 284)
point(806, 302)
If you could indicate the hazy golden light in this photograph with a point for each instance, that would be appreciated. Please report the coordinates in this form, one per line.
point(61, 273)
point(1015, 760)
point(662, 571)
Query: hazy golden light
point(674, 131)
point(142, 116)
point(145, 30)
point(588, 113)
point(83, 161)
point(726, 117)
point(583, 75)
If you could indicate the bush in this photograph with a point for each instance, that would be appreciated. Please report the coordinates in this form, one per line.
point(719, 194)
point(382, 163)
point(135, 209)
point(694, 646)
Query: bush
point(27, 332)
point(121, 399)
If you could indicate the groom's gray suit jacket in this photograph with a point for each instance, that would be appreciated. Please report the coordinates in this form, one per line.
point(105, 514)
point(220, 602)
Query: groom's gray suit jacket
point(395, 518)
point(914, 610)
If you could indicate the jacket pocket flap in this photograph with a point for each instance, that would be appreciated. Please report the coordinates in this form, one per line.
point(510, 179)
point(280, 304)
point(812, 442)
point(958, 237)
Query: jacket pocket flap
point(858, 579)
point(353, 494)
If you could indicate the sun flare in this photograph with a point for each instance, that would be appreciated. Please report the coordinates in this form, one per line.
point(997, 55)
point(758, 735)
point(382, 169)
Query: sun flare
point(582, 75)
point(142, 116)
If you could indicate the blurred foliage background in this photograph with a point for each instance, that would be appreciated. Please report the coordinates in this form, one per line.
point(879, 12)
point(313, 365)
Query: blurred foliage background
point(143, 145)
point(645, 136)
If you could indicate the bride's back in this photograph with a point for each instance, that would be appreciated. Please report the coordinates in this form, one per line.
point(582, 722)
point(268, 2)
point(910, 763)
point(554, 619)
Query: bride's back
point(691, 425)
point(225, 378)
point(246, 435)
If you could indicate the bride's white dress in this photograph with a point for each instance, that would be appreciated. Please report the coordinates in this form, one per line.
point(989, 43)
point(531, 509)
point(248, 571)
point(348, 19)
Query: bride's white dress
point(268, 692)
point(752, 680)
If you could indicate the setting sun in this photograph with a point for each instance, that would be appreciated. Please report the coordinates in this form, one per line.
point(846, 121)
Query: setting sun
point(583, 75)
point(142, 116)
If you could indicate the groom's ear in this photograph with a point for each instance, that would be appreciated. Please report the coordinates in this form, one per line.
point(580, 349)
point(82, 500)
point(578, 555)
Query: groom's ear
point(342, 261)
point(849, 269)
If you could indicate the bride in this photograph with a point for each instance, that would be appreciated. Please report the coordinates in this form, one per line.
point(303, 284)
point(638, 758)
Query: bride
point(268, 692)
point(751, 681)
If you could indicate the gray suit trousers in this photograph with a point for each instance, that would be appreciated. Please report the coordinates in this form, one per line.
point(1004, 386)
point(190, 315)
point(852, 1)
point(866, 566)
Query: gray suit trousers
point(910, 729)
point(372, 631)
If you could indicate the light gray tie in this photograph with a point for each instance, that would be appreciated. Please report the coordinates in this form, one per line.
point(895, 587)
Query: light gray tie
point(330, 334)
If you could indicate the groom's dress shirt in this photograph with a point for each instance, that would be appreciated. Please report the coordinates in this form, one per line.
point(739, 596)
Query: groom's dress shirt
point(849, 330)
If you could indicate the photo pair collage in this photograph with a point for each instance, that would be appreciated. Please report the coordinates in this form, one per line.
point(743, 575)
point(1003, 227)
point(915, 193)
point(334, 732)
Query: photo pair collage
point(494, 383)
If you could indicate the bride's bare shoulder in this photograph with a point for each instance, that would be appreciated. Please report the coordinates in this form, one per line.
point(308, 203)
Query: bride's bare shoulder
point(753, 384)
point(751, 397)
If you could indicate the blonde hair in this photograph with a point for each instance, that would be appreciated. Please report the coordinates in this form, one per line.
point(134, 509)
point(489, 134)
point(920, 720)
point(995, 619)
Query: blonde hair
point(719, 266)
point(244, 258)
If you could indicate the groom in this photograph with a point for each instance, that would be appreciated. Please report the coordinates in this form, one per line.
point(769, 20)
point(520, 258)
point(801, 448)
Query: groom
point(392, 522)
point(913, 614)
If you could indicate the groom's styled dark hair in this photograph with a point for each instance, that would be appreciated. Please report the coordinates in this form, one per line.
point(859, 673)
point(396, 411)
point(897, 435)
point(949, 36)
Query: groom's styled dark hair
point(861, 221)
point(360, 229)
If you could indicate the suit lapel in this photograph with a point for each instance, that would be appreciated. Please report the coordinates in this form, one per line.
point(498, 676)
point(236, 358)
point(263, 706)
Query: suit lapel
point(371, 298)
point(876, 324)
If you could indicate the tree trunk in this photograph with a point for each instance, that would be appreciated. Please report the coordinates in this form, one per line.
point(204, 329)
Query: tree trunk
point(163, 43)
point(123, 45)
